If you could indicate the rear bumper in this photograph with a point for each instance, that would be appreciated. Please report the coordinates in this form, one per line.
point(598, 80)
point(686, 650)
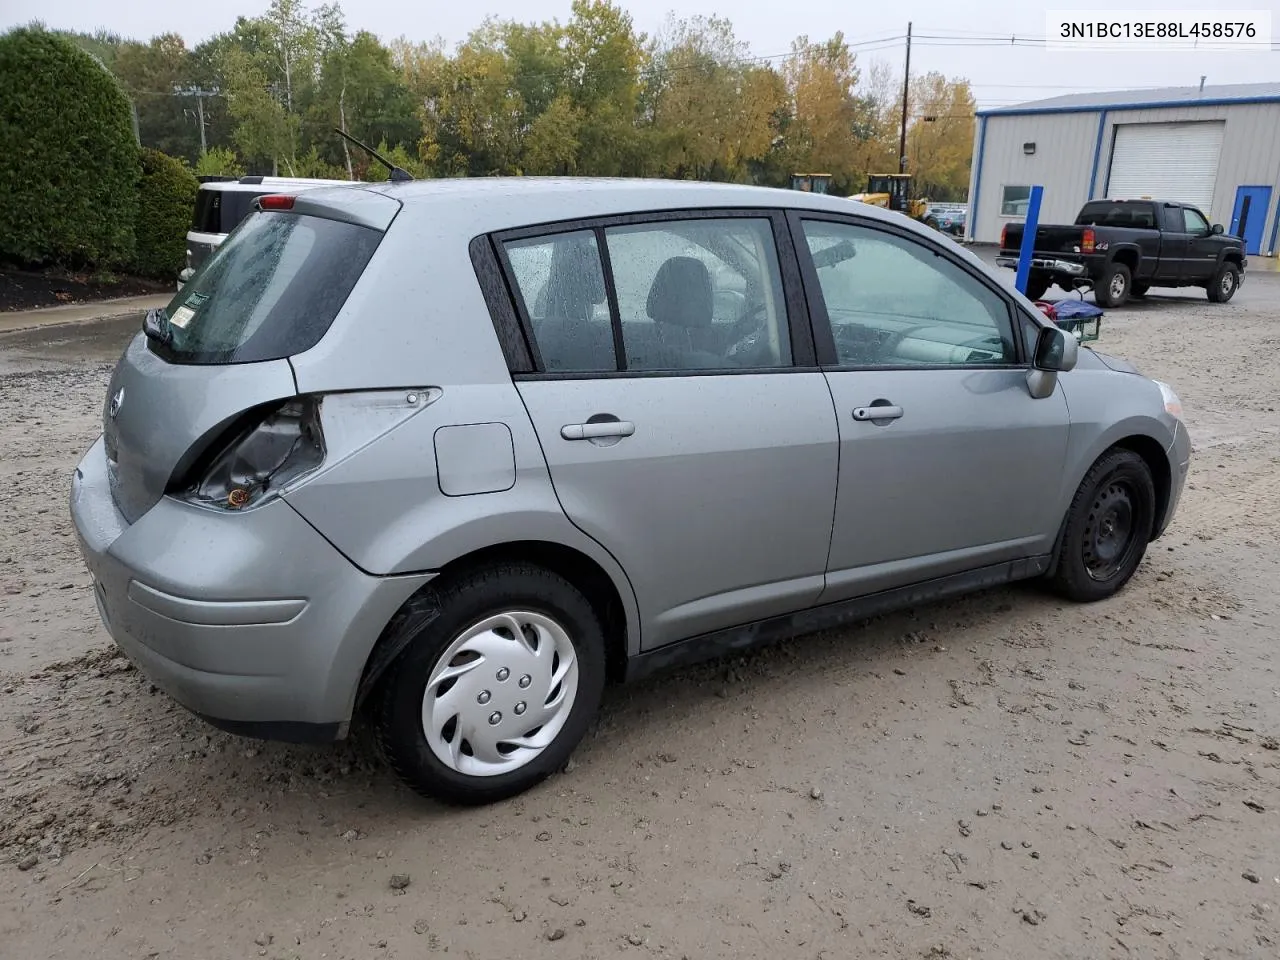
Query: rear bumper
point(1052, 265)
point(252, 621)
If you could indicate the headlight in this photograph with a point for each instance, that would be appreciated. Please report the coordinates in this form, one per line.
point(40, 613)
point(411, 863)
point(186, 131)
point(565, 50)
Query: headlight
point(1172, 403)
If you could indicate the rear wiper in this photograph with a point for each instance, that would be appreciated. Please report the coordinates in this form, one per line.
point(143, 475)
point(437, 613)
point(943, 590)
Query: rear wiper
point(157, 327)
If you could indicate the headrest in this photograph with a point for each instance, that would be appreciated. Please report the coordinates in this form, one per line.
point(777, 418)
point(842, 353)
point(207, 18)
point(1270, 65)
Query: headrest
point(681, 293)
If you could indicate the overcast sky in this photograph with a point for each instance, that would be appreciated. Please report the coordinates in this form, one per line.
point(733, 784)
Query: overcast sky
point(950, 39)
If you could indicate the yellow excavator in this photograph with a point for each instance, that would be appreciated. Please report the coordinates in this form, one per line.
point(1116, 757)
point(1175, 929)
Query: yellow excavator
point(893, 192)
point(811, 182)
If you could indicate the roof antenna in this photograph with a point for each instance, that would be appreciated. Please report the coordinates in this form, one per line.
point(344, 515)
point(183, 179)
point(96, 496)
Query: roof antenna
point(397, 175)
point(1202, 84)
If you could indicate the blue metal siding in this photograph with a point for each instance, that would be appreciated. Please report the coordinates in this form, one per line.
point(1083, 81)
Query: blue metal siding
point(1097, 153)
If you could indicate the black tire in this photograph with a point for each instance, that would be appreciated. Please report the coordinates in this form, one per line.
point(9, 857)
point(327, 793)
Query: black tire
point(1116, 495)
point(1037, 287)
point(1225, 283)
point(1114, 286)
point(1139, 291)
point(465, 601)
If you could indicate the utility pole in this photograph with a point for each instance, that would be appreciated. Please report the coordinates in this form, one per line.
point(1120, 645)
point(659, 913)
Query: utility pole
point(199, 93)
point(906, 86)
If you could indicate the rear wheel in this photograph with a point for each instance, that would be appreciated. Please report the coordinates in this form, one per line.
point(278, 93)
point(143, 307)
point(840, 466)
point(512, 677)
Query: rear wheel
point(494, 693)
point(1108, 527)
point(1224, 284)
point(1037, 287)
point(1112, 288)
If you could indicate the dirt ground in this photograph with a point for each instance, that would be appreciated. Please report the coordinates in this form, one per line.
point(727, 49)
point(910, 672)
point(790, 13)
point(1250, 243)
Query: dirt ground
point(1004, 776)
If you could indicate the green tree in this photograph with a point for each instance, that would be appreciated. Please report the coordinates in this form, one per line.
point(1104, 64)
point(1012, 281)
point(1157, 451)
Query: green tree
point(269, 67)
point(472, 111)
point(219, 162)
point(940, 139)
point(713, 112)
point(823, 80)
point(166, 198)
point(372, 171)
point(552, 145)
point(102, 45)
point(152, 74)
point(68, 159)
point(360, 91)
point(605, 57)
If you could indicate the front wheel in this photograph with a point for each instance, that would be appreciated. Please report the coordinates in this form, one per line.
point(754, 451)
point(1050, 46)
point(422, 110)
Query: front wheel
point(1107, 528)
point(1224, 284)
point(494, 693)
point(1112, 289)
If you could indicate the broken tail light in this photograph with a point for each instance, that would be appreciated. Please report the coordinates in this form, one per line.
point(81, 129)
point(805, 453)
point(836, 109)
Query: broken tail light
point(255, 462)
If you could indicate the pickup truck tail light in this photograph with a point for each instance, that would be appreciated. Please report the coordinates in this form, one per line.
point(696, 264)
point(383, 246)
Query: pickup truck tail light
point(1088, 241)
point(1004, 237)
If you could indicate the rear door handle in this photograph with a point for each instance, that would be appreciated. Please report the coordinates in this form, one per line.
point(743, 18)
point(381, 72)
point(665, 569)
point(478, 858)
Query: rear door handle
point(594, 431)
point(885, 412)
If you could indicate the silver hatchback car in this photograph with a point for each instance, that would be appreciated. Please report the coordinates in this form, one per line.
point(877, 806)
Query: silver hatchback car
point(455, 454)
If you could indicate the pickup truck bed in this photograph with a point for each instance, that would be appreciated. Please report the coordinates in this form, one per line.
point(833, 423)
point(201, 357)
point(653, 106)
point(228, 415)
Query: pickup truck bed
point(1122, 248)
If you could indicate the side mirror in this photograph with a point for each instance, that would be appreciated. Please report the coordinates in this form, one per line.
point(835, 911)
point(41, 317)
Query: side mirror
point(1056, 350)
point(1217, 229)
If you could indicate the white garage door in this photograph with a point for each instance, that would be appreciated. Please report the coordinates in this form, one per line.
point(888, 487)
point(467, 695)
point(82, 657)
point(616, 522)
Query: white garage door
point(1167, 161)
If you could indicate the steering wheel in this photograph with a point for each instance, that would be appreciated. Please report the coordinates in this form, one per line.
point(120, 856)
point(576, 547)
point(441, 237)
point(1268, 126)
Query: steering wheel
point(751, 345)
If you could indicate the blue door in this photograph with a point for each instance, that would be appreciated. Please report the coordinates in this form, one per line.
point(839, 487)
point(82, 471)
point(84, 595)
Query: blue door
point(1249, 216)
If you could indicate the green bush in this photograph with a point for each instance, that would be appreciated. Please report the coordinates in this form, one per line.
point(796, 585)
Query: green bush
point(68, 158)
point(166, 199)
point(219, 162)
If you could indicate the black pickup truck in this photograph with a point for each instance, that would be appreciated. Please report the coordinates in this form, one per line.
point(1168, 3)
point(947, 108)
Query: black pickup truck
point(1122, 248)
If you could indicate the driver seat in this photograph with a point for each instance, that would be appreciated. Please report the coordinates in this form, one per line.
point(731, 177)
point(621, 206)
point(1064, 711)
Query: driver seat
point(680, 303)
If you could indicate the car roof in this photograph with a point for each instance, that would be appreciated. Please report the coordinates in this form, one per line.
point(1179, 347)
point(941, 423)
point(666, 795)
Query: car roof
point(488, 204)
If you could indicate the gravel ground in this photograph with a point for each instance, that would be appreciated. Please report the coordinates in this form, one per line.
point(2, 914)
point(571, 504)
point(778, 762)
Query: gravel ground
point(1000, 776)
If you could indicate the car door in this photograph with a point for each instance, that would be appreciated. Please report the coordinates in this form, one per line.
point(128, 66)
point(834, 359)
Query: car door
point(1203, 247)
point(947, 463)
point(684, 422)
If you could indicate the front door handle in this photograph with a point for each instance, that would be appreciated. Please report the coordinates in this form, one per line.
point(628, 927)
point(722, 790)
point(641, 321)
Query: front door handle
point(877, 411)
point(596, 431)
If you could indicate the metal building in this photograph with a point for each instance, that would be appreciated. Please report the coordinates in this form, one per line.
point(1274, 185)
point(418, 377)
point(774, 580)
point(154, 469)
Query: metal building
point(1216, 148)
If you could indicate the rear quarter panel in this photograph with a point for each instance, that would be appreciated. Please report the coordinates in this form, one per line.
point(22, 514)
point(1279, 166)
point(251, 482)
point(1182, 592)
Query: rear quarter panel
point(417, 320)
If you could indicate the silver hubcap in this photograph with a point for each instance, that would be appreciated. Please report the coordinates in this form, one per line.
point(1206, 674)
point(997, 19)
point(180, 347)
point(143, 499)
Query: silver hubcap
point(1228, 283)
point(500, 694)
point(1117, 286)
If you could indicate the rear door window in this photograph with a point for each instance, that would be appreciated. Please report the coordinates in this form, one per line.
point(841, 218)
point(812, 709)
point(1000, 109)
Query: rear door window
point(1134, 215)
point(270, 291)
point(220, 211)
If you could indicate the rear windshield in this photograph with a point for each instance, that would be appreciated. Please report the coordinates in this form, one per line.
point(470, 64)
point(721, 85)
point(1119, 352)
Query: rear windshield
point(270, 291)
point(220, 211)
point(1139, 216)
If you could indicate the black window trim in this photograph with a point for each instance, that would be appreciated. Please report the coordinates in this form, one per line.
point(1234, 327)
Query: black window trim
point(799, 327)
point(499, 298)
point(824, 337)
